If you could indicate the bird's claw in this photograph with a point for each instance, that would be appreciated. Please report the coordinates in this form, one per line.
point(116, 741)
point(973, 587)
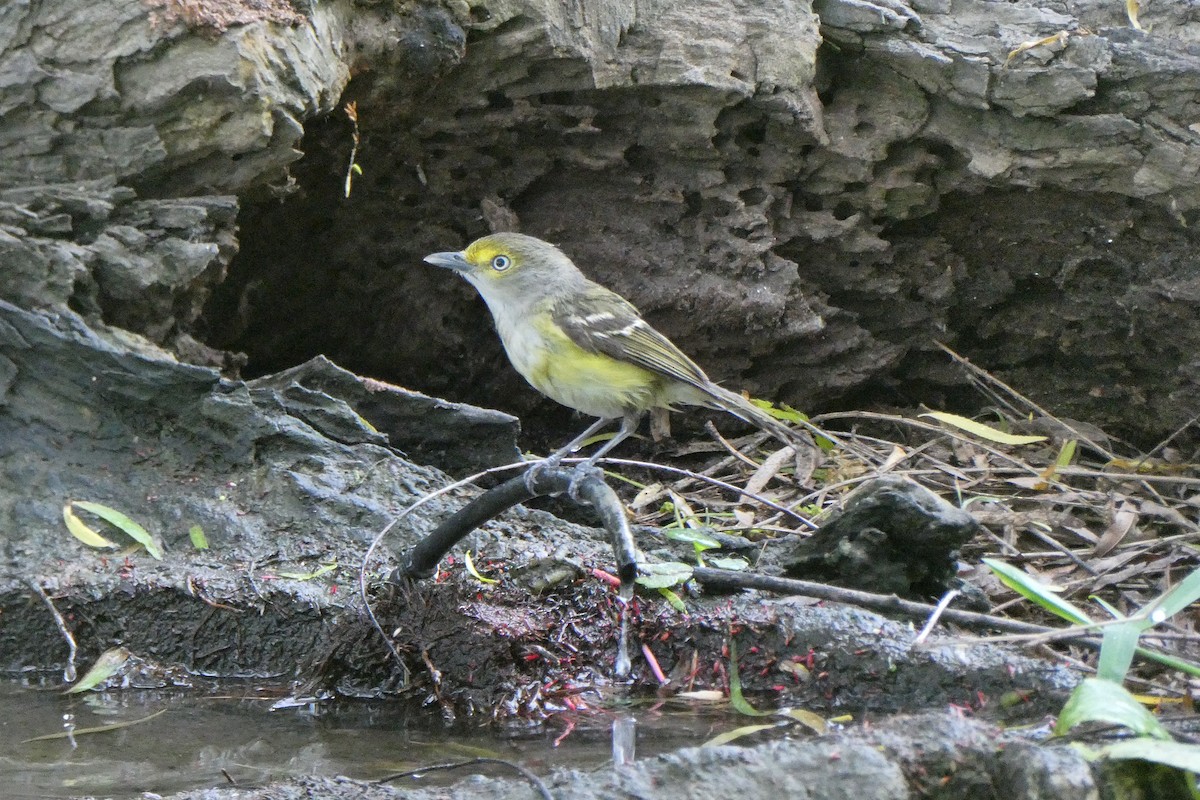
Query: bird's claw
point(535, 471)
point(581, 473)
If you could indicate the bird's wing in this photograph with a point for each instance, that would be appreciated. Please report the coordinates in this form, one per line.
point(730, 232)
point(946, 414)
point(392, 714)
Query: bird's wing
point(601, 321)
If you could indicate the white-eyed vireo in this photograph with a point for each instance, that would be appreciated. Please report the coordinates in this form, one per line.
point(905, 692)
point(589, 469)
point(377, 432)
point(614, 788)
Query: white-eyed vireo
point(583, 345)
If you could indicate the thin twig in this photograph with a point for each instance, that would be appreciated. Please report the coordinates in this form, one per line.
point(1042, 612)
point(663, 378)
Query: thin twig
point(69, 670)
point(989, 377)
point(938, 610)
point(534, 780)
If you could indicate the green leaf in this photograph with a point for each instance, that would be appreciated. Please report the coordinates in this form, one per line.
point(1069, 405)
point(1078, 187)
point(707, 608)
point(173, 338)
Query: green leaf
point(663, 574)
point(728, 562)
point(1032, 589)
point(781, 411)
point(673, 600)
point(199, 540)
point(1172, 754)
point(1066, 453)
point(979, 429)
point(697, 537)
point(131, 528)
point(738, 733)
point(80, 530)
point(308, 576)
point(1187, 667)
point(1100, 700)
point(736, 699)
point(116, 726)
point(108, 664)
point(1117, 648)
point(1107, 606)
point(1182, 595)
point(475, 573)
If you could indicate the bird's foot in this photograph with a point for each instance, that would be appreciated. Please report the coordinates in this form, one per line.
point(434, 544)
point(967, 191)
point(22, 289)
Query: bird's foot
point(585, 471)
point(536, 469)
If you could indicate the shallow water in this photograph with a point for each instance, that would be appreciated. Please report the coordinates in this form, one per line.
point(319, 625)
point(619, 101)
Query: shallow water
point(199, 740)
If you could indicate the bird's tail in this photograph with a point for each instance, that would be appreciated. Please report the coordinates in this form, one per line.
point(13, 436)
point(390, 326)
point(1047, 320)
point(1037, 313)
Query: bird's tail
point(746, 411)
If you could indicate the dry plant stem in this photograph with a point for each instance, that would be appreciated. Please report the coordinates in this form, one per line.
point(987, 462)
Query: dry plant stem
point(938, 610)
point(992, 379)
point(729, 487)
point(733, 451)
point(533, 780)
point(731, 579)
point(1167, 440)
point(925, 426)
point(1061, 549)
point(72, 648)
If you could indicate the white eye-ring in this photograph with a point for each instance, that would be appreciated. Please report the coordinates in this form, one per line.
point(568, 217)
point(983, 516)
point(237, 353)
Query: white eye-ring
point(501, 263)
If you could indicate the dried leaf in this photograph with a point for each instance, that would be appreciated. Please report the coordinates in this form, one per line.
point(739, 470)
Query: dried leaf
point(308, 576)
point(646, 496)
point(1124, 518)
point(897, 455)
point(1059, 39)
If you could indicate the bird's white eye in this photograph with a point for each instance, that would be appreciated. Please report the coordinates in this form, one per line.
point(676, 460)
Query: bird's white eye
point(501, 263)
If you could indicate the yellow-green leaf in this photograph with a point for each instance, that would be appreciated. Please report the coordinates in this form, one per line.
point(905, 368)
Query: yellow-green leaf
point(116, 726)
point(807, 718)
point(737, 733)
point(1132, 9)
point(736, 699)
point(308, 576)
point(673, 600)
point(80, 530)
point(199, 540)
point(475, 573)
point(131, 528)
point(1031, 588)
point(979, 429)
point(108, 664)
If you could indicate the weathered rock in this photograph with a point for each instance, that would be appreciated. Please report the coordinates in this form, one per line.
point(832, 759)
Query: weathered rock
point(893, 536)
point(95, 92)
point(145, 266)
point(806, 219)
point(276, 480)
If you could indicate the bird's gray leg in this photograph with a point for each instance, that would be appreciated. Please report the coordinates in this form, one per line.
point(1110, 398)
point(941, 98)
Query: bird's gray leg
point(558, 455)
point(577, 442)
point(629, 424)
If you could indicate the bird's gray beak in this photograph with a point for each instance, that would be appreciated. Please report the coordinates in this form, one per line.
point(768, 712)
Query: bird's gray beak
point(455, 261)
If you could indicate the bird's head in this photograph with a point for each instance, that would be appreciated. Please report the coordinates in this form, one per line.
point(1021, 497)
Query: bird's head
point(510, 265)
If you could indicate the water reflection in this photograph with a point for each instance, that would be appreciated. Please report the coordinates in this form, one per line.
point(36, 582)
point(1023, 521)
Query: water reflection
point(214, 740)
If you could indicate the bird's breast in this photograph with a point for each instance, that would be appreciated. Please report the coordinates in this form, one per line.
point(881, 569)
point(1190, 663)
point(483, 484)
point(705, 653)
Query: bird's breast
point(592, 383)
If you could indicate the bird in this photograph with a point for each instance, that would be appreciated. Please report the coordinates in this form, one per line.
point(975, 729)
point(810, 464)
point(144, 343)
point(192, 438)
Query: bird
point(585, 346)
